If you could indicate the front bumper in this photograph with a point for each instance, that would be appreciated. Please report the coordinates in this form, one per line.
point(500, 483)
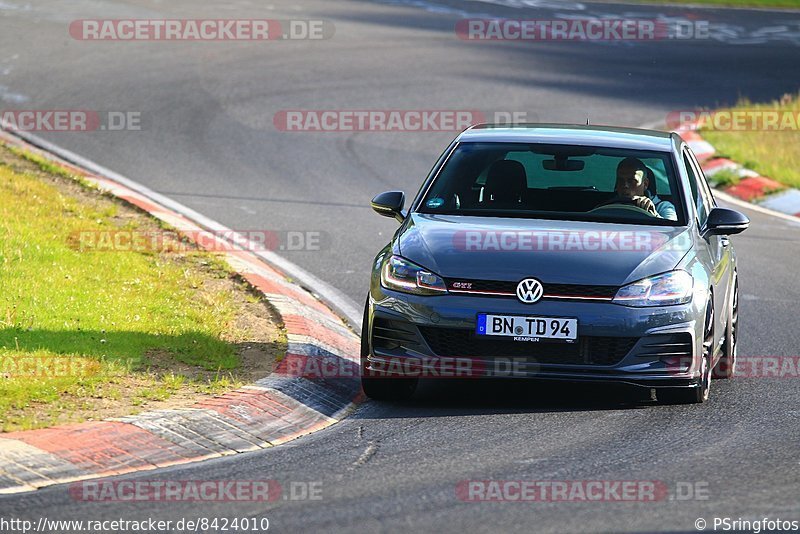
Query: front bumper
point(432, 336)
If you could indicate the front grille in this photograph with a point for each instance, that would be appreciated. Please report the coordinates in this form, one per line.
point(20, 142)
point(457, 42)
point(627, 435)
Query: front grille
point(573, 290)
point(593, 350)
point(550, 290)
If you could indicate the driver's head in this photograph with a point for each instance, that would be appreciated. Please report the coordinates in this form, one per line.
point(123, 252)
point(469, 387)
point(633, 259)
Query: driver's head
point(631, 178)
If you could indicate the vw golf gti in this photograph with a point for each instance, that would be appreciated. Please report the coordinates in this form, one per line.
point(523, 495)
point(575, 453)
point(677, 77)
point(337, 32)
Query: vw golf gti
point(556, 252)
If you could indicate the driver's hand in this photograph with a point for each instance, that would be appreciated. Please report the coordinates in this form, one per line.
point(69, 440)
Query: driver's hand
point(646, 204)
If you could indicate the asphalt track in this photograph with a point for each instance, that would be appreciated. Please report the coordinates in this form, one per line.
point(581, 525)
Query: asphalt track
point(208, 141)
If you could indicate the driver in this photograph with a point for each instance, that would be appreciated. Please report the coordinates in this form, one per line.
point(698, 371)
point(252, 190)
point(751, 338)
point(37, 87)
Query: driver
point(631, 187)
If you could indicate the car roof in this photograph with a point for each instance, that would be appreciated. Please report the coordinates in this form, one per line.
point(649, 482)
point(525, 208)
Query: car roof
point(570, 134)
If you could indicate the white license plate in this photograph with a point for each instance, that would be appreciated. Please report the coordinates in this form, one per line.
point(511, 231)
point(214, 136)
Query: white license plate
point(526, 328)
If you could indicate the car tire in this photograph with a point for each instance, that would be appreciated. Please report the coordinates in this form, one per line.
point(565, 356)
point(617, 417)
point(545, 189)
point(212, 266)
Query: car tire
point(381, 387)
point(726, 366)
point(700, 393)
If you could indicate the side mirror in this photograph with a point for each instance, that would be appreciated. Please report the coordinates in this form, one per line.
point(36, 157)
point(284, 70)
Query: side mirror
point(722, 221)
point(390, 204)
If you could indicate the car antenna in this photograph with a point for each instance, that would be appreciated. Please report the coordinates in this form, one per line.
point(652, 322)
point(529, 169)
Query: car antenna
point(587, 121)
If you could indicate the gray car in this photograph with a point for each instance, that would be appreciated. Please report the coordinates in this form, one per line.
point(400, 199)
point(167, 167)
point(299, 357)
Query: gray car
point(556, 252)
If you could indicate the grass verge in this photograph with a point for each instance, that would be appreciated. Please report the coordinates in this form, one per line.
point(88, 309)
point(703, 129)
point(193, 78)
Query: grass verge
point(89, 332)
point(770, 152)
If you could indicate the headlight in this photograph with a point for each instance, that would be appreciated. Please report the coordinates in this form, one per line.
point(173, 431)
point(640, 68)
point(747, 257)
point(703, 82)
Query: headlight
point(663, 290)
point(402, 275)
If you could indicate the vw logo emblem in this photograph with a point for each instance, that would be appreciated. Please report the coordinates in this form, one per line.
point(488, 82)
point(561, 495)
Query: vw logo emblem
point(529, 290)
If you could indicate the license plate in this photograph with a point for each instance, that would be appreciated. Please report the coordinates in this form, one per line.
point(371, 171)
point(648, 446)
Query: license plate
point(526, 328)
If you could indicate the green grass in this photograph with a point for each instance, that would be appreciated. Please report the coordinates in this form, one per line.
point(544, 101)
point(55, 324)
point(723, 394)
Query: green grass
point(771, 153)
point(83, 324)
point(725, 177)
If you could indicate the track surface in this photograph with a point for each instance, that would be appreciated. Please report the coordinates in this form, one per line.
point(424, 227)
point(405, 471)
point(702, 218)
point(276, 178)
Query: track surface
point(208, 141)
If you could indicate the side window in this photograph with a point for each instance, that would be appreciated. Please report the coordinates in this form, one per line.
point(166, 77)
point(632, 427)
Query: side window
point(705, 190)
point(698, 196)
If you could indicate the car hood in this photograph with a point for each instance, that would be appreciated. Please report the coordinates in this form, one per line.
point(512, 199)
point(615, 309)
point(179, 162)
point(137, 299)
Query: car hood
point(567, 252)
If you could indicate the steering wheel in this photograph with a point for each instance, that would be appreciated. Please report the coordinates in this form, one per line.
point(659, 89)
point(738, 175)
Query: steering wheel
point(622, 204)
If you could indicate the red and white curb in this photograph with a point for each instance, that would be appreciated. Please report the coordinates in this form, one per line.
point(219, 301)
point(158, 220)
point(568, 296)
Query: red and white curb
point(751, 187)
point(272, 411)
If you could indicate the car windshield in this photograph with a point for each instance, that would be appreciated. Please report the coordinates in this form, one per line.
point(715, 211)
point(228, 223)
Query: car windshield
point(557, 182)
